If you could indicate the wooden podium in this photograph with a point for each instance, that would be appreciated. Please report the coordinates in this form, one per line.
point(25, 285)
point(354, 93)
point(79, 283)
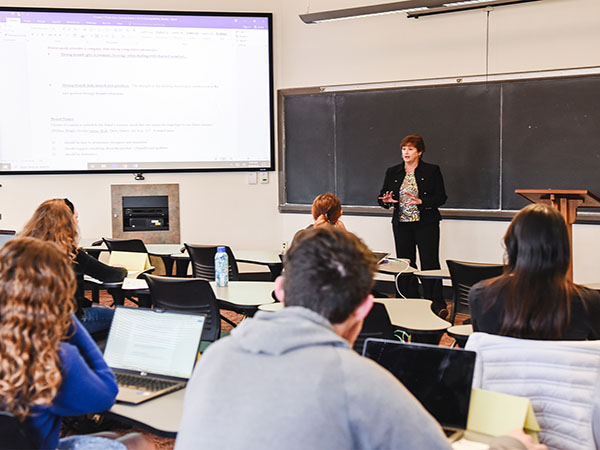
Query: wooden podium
point(566, 201)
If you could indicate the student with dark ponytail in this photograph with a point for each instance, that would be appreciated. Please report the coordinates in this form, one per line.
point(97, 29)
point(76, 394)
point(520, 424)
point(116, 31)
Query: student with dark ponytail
point(534, 298)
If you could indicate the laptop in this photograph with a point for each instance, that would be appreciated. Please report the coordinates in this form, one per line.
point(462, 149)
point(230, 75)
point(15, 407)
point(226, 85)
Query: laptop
point(6, 235)
point(152, 352)
point(439, 377)
point(380, 256)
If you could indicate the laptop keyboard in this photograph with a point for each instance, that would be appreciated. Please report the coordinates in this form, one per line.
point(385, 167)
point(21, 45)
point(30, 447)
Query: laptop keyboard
point(145, 383)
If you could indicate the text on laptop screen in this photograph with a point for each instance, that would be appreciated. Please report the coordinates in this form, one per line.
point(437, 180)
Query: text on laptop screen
point(144, 340)
point(439, 377)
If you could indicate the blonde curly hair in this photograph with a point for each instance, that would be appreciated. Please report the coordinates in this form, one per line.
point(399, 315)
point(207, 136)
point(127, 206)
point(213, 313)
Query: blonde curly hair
point(54, 221)
point(37, 285)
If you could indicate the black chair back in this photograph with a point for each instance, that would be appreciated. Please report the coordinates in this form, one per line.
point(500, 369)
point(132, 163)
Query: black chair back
point(464, 275)
point(190, 295)
point(14, 435)
point(203, 262)
point(125, 245)
point(376, 325)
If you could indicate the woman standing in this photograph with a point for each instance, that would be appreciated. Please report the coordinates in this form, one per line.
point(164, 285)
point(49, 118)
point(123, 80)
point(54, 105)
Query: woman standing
point(416, 189)
point(535, 299)
point(56, 221)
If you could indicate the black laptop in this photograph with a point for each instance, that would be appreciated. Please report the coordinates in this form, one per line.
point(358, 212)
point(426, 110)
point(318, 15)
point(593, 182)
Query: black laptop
point(439, 377)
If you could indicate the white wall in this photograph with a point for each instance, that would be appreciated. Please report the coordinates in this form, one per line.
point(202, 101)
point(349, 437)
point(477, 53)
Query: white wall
point(549, 34)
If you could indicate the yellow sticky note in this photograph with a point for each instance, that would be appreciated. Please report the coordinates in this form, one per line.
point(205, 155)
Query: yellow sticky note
point(495, 413)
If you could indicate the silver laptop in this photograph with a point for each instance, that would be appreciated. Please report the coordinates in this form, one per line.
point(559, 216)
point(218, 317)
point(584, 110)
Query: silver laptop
point(152, 352)
point(439, 377)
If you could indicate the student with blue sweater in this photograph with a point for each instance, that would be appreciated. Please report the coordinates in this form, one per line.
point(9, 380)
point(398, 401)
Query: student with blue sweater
point(49, 365)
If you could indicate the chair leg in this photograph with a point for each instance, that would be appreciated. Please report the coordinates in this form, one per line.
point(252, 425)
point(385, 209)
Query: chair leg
point(230, 322)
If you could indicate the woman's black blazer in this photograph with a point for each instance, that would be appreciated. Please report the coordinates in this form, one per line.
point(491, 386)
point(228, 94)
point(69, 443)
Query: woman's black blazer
point(431, 190)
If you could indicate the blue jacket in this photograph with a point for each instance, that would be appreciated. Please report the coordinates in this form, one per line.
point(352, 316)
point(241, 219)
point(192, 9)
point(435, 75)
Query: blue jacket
point(88, 386)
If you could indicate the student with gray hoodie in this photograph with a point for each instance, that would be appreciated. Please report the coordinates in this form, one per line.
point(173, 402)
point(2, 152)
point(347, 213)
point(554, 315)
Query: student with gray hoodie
point(290, 380)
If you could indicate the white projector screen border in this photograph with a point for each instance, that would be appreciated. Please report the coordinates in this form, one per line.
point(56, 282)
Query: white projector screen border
point(109, 91)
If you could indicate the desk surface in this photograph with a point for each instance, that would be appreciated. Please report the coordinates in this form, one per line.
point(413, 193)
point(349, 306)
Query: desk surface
point(437, 274)
point(161, 415)
point(245, 293)
point(153, 249)
point(394, 267)
point(264, 257)
point(242, 293)
point(413, 314)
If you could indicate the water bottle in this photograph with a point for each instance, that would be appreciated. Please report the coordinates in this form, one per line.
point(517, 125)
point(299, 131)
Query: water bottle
point(221, 267)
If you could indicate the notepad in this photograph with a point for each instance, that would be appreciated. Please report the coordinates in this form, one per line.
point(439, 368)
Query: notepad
point(135, 263)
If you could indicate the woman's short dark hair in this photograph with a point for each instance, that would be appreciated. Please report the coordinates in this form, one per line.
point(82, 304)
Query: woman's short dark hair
point(329, 271)
point(415, 140)
point(535, 289)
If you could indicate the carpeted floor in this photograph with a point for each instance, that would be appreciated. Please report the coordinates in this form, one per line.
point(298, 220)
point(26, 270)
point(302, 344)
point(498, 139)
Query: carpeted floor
point(163, 443)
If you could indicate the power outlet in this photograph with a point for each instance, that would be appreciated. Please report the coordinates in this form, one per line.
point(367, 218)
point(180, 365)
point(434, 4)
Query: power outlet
point(264, 177)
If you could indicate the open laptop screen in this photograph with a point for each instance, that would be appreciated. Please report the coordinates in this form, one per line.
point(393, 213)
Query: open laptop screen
point(6, 235)
point(439, 377)
point(154, 342)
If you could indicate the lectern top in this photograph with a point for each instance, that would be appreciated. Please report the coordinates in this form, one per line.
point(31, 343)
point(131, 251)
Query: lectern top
point(535, 195)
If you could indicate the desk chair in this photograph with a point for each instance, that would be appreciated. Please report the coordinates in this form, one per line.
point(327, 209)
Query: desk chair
point(189, 295)
point(14, 435)
point(203, 262)
point(125, 245)
point(464, 275)
point(561, 378)
point(376, 325)
point(134, 246)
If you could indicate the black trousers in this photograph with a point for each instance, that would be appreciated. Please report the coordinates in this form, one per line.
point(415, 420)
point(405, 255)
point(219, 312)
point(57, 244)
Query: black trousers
point(409, 236)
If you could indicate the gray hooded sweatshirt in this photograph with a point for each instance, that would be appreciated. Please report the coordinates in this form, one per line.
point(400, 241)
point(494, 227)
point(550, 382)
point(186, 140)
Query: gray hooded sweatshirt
point(285, 380)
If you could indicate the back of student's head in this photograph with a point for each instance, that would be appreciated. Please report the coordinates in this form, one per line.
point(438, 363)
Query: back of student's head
point(329, 271)
point(536, 289)
point(537, 242)
point(37, 285)
point(328, 206)
point(54, 221)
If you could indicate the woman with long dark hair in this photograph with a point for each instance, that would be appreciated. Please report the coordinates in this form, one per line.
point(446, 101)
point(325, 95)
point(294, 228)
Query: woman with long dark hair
point(534, 298)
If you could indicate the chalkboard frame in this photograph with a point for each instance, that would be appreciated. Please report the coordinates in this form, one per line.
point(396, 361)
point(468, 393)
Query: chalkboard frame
point(450, 213)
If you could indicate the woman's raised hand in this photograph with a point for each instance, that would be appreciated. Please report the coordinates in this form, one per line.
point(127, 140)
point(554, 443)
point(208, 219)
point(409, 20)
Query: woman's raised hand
point(388, 197)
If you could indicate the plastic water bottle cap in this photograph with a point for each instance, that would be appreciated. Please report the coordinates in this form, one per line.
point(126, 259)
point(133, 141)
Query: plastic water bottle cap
point(220, 249)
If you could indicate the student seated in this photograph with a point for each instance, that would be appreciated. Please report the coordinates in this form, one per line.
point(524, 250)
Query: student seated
point(56, 221)
point(290, 380)
point(49, 365)
point(327, 209)
point(534, 299)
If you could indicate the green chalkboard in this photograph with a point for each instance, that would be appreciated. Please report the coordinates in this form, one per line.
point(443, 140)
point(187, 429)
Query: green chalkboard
point(487, 138)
